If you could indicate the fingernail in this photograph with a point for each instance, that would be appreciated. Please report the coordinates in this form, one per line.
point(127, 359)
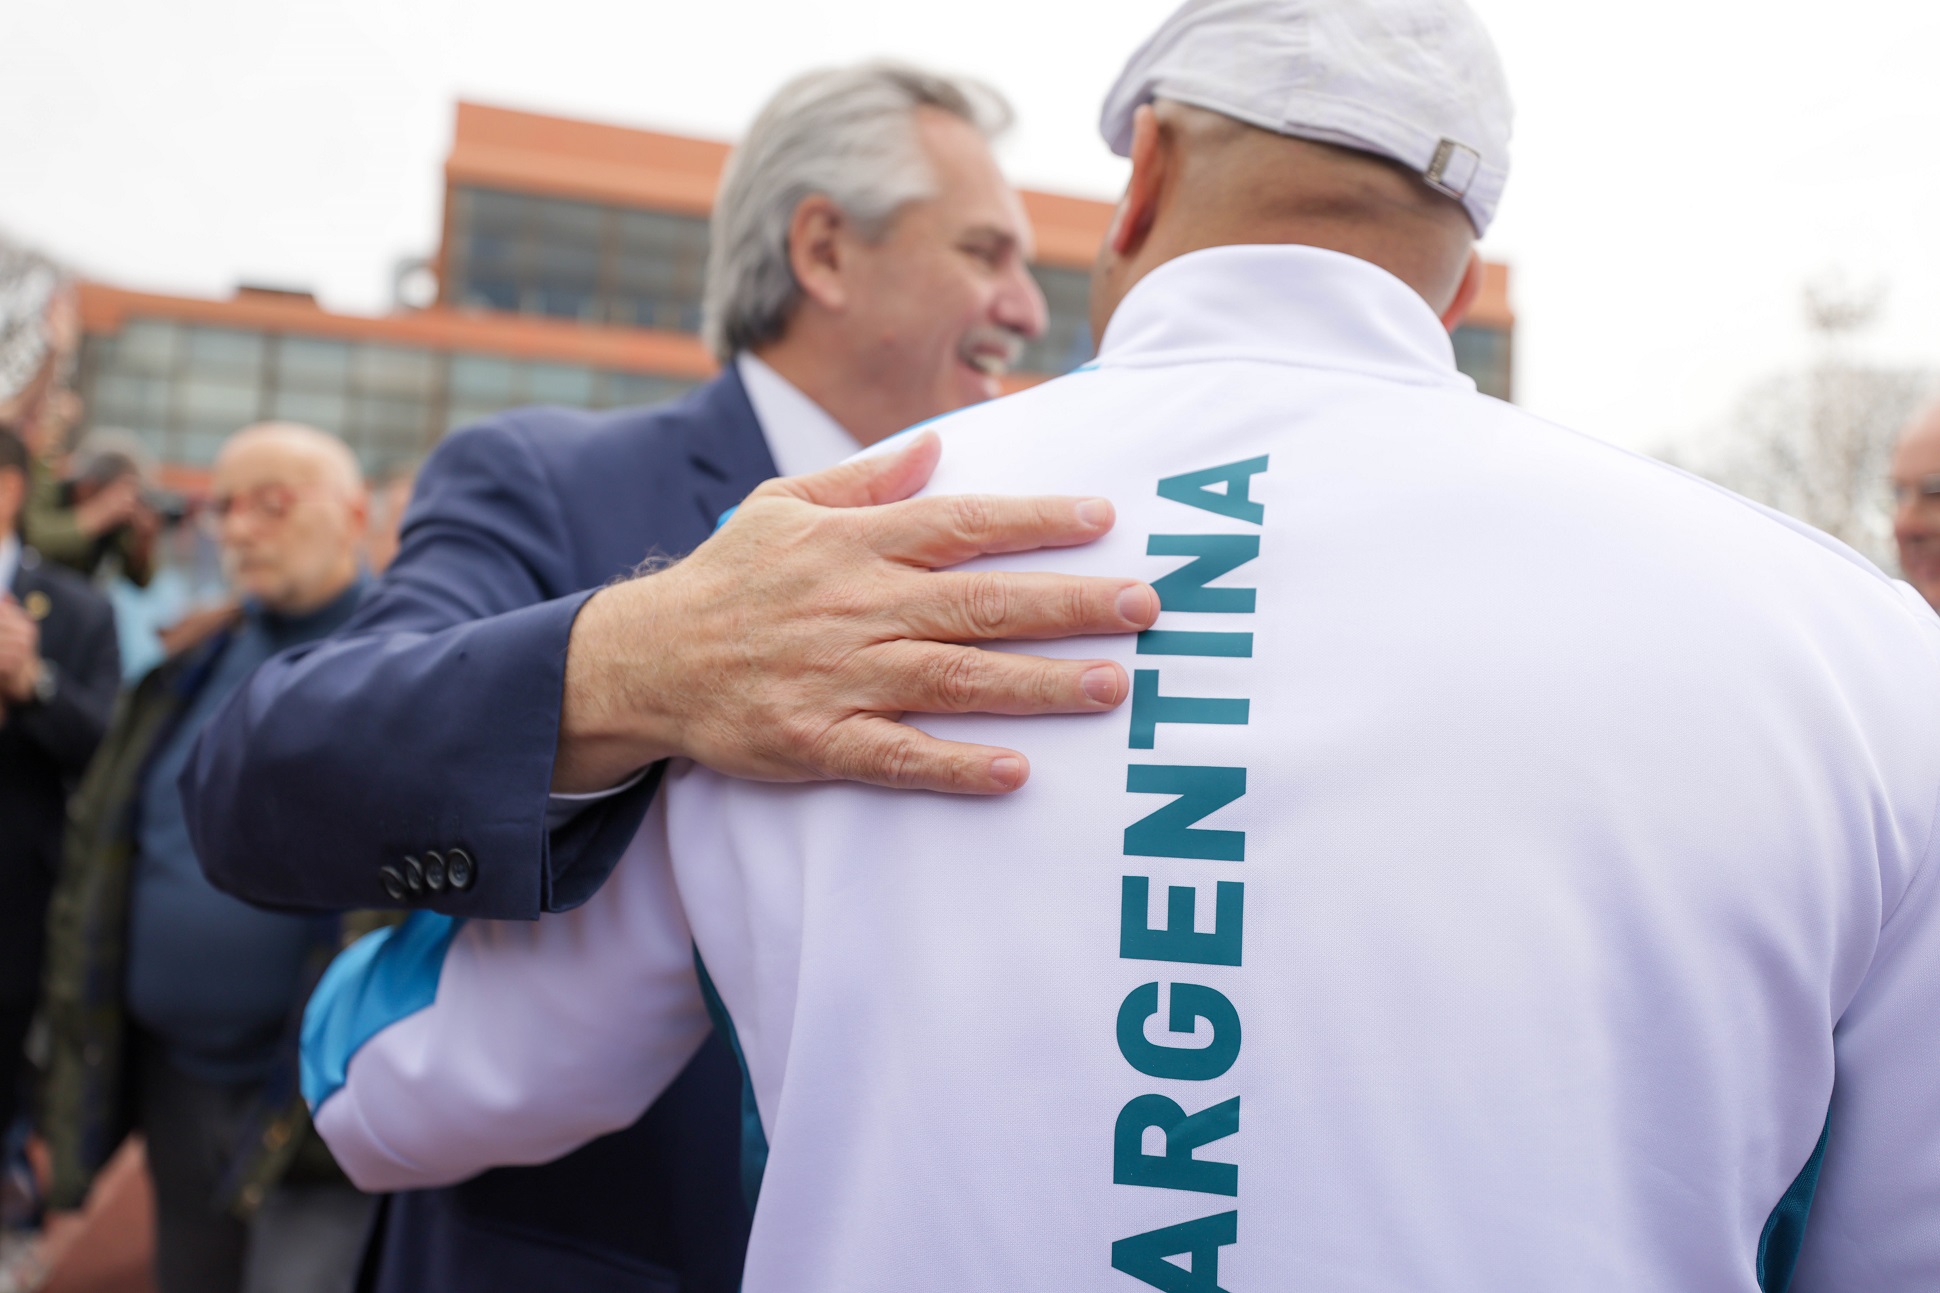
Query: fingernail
point(1095, 512)
point(1007, 772)
point(1101, 684)
point(1138, 604)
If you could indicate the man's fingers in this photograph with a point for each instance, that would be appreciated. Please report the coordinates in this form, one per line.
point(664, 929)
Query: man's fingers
point(867, 482)
point(930, 678)
point(881, 752)
point(947, 530)
point(995, 605)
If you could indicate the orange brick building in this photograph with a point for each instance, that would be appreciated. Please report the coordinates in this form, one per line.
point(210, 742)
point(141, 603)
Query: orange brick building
point(568, 272)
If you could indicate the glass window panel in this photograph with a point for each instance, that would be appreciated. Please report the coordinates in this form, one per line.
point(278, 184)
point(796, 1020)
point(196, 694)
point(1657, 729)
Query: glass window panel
point(564, 302)
point(154, 439)
point(492, 294)
point(492, 258)
point(1484, 354)
point(198, 447)
point(97, 355)
point(574, 264)
point(486, 211)
point(396, 370)
point(642, 388)
point(660, 234)
point(227, 351)
point(130, 401)
point(645, 273)
point(146, 345)
point(325, 410)
point(485, 380)
point(218, 405)
point(569, 223)
point(388, 423)
point(658, 269)
point(1067, 340)
point(560, 384)
point(465, 414)
point(310, 363)
point(653, 310)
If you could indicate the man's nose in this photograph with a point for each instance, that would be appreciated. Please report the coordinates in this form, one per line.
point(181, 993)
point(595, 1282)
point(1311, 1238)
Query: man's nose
point(1020, 304)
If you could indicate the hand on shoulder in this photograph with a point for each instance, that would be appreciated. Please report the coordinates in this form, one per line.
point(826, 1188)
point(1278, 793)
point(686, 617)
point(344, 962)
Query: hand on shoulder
point(789, 646)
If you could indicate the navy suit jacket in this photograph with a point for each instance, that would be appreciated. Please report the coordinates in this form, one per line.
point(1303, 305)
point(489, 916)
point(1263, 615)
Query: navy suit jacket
point(417, 743)
point(43, 751)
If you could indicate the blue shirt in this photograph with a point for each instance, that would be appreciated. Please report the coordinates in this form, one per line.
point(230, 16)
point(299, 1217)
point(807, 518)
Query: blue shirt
point(212, 977)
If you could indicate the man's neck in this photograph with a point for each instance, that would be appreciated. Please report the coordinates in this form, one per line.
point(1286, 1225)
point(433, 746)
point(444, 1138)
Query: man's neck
point(825, 374)
point(319, 600)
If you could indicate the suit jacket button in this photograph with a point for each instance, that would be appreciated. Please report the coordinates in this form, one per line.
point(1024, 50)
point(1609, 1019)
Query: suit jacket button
point(434, 871)
point(414, 877)
point(393, 883)
point(460, 871)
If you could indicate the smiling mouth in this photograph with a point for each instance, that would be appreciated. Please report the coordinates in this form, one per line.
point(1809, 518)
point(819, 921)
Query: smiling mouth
point(991, 352)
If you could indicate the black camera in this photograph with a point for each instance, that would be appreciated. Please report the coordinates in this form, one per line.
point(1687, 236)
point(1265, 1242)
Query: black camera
point(171, 507)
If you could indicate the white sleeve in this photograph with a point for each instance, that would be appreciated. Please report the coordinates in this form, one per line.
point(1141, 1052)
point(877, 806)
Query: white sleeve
point(561, 809)
point(436, 1050)
point(1875, 1220)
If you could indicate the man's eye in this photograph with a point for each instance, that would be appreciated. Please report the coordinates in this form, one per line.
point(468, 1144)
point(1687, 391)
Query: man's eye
point(989, 255)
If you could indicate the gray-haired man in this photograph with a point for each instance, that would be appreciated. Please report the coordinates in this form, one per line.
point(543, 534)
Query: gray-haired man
point(473, 743)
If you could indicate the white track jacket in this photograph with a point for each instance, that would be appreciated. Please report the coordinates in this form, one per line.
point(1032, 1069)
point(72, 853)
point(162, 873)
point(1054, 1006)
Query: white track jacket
point(1515, 870)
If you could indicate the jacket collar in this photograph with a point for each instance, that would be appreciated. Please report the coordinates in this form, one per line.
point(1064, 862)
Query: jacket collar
point(1281, 304)
point(725, 446)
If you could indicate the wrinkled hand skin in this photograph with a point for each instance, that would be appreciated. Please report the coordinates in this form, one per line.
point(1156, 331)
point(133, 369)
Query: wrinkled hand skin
point(788, 646)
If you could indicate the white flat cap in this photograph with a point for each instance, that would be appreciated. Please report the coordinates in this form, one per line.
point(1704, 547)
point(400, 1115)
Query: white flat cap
point(1417, 81)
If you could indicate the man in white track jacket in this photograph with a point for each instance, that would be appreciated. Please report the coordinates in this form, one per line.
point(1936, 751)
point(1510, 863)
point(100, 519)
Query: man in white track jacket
point(1515, 869)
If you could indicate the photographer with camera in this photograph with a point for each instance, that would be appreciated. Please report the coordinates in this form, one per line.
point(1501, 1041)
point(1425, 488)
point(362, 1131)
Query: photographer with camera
point(101, 514)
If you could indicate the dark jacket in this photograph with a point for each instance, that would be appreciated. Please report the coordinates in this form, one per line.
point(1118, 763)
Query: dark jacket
point(43, 750)
point(428, 725)
point(87, 1101)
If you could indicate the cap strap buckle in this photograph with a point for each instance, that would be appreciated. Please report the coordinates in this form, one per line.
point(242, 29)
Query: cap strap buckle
point(1454, 169)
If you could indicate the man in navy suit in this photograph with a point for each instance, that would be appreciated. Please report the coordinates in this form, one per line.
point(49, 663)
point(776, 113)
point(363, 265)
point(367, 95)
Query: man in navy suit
point(483, 739)
point(59, 673)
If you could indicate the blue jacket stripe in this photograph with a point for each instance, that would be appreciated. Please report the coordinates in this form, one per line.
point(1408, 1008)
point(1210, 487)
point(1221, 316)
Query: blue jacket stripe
point(380, 979)
point(754, 1140)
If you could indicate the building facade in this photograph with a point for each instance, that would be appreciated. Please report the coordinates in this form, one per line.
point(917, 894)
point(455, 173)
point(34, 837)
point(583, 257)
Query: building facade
point(569, 271)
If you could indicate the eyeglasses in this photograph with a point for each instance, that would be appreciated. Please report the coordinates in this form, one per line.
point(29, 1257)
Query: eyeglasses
point(1922, 492)
point(268, 503)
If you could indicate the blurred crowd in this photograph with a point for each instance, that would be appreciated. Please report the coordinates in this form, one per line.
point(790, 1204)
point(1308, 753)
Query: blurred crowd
point(151, 1000)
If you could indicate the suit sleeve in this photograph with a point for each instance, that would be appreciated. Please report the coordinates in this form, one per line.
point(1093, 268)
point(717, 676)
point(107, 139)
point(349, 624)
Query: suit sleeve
point(428, 723)
point(1872, 1224)
point(71, 725)
point(439, 1049)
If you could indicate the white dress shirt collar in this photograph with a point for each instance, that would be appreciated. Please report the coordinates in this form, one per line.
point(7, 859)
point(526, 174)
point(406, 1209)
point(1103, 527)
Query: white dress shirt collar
point(9, 562)
point(801, 436)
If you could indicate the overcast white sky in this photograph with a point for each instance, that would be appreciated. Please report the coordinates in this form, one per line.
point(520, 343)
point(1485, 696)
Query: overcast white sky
point(1682, 167)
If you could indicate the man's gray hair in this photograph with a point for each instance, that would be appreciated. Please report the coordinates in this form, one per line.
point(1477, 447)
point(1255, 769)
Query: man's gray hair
point(848, 134)
point(28, 284)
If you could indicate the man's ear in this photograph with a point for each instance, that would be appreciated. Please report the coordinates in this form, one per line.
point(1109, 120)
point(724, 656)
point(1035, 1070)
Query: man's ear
point(815, 250)
point(1465, 294)
point(1132, 222)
